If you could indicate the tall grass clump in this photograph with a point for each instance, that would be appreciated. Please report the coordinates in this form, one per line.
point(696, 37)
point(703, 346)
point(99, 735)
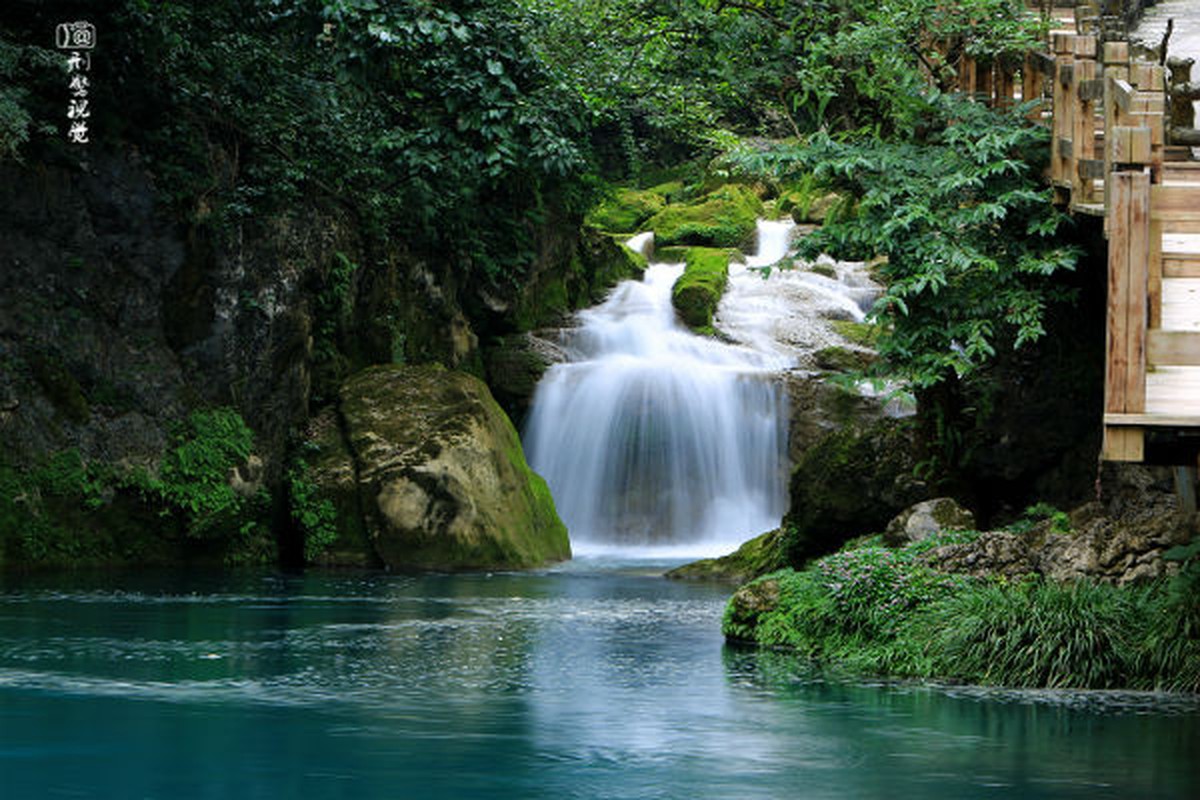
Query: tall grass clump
point(872, 610)
point(1035, 633)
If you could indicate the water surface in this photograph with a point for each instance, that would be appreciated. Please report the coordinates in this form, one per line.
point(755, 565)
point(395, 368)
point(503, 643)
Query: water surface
point(594, 680)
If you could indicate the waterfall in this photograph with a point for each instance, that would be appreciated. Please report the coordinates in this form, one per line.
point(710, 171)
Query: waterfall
point(653, 437)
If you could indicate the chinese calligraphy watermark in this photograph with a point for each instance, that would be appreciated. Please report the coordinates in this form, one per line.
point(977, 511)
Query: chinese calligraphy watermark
point(80, 39)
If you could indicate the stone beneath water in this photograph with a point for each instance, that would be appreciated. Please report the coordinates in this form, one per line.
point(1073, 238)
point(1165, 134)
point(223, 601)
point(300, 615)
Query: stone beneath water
point(762, 554)
point(441, 479)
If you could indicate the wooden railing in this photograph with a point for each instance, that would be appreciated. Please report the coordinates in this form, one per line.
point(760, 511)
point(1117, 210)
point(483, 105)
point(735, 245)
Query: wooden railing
point(1107, 114)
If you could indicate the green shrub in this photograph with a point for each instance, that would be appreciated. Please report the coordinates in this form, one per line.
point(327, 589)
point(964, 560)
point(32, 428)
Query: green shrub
point(1060, 521)
point(314, 517)
point(873, 610)
point(193, 480)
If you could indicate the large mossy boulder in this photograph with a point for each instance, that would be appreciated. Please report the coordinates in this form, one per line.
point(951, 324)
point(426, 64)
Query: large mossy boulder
point(442, 481)
point(727, 217)
point(698, 290)
point(850, 483)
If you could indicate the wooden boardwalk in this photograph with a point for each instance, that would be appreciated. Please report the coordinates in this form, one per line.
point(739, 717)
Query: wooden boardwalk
point(1107, 112)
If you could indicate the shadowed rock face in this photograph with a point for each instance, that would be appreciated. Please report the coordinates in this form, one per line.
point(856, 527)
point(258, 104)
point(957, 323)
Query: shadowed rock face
point(441, 479)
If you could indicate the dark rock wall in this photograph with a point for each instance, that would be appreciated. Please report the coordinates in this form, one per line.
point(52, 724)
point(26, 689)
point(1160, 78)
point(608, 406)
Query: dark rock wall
point(119, 314)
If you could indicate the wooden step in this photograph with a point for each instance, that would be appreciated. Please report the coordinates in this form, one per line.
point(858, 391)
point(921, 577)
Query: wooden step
point(1153, 420)
point(1180, 265)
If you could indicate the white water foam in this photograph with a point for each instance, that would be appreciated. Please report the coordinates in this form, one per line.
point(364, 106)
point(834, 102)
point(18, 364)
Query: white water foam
point(655, 438)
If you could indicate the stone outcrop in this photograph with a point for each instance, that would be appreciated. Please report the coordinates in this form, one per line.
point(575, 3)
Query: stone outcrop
point(434, 476)
point(762, 554)
point(850, 482)
point(926, 518)
point(1121, 541)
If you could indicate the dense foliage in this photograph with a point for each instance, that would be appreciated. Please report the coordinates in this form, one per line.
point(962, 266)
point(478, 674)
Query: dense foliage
point(432, 122)
point(967, 230)
point(65, 510)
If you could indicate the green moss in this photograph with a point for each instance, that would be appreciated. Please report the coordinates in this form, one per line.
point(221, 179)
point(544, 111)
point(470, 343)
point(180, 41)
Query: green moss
point(760, 555)
point(724, 218)
point(698, 290)
point(843, 359)
point(626, 210)
point(63, 511)
point(600, 260)
point(849, 483)
point(824, 269)
point(329, 482)
point(674, 254)
point(671, 191)
point(859, 333)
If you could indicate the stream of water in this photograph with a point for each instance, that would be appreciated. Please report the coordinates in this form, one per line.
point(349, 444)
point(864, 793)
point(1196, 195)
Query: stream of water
point(653, 437)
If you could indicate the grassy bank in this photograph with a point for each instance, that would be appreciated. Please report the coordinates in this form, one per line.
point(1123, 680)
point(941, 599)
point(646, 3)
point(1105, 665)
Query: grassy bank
point(876, 610)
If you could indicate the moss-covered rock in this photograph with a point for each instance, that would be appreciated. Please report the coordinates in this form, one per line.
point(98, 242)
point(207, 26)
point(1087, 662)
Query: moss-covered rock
point(762, 554)
point(843, 359)
point(698, 290)
point(672, 255)
point(332, 471)
point(599, 261)
point(441, 477)
point(818, 209)
point(860, 333)
point(926, 519)
point(851, 482)
point(725, 218)
point(514, 366)
point(626, 210)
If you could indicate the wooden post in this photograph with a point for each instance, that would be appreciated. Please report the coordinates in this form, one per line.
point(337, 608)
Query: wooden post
point(983, 83)
point(966, 75)
point(1125, 365)
point(1005, 87)
point(1149, 111)
point(1062, 123)
point(1083, 114)
point(1116, 67)
point(1031, 86)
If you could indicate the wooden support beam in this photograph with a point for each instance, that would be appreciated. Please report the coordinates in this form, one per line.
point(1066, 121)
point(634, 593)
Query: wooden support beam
point(1130, 145)
point(1083, 133)
point(1125, 365)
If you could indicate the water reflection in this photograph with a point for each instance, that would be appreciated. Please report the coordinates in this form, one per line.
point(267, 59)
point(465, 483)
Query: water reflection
point(586, 681)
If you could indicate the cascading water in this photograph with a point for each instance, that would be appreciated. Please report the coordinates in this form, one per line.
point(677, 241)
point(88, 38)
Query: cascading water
point(653, 437)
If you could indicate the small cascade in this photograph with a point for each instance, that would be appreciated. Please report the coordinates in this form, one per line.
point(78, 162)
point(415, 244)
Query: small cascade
point(656, 441)
point(653, 437)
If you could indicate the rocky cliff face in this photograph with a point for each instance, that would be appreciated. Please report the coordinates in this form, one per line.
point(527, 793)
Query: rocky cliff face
point(119, 315)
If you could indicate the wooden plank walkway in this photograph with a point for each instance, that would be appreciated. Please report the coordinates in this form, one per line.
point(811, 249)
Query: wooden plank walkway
point(1107, 117)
